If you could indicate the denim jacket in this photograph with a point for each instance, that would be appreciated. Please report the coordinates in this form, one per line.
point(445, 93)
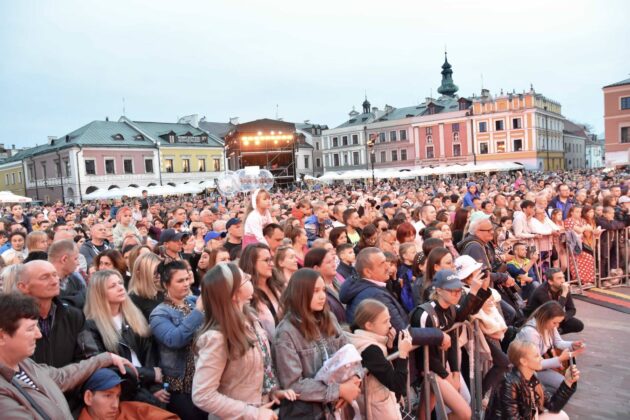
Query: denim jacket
point(173, 332)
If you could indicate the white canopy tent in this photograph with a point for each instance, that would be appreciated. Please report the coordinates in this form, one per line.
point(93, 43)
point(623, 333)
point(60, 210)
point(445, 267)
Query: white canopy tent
point(9, 197)
point(156, 190)
point(420, 171)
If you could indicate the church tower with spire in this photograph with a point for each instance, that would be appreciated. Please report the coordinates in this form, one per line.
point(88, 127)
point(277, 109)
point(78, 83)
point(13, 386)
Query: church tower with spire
point(447, 88)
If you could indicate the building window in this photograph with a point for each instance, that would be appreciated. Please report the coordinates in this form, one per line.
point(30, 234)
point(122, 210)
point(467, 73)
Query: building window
point(335, 142)
point(625, 134)
point(392, 136)
point(625, 102)
point(13, 178)
point(335, 159)
point(90, 167)
point(128, 166)
point(381, 137)
point(517, 145)
point(6, 179)
point(483, 127)
point(202, 164)
point(500, 147)
point(403, 154)
point(58, 168)
point(216, 164)
point(355, 158)
point(67, 165)
point(394, 155)
point(355, 139)
point(457, 150)
point(168, 165)
point(44, 170)
point(110, 167)
point(185, 165)
point(483, 148)
point(430, 152)
point(345, 159)
point(456, 137)
point(403, 135)
point(316, 145)
point(344, 140)
point(455, 127)
point(498, 125)
point(517, 123)
point(383, 156)
point(429, 139)
point(31, 171)
point(19, 178)
point(428, 131)
point(306, 162)
point(148, 166)
point(318, 162)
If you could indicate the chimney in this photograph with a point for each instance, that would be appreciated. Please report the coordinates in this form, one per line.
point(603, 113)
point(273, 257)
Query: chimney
point(51, 139)
point(485, 93)
point(388, 108)
point(428, 99)
point(234, 120)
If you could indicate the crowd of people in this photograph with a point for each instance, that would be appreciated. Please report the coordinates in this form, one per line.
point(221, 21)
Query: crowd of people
point(206, 307)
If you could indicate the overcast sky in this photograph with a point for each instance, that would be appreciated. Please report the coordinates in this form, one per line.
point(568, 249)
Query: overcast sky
point(66, 63)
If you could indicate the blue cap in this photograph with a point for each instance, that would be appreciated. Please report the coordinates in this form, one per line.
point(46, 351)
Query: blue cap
point(102, 379)
point(471, 184)
point(447, 279)
point(213, 235)
point(233, 221)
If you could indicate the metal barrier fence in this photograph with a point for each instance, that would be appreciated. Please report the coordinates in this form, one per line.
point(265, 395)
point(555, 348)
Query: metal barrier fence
point(430, 383)
point(610, 263)
point(612, 258)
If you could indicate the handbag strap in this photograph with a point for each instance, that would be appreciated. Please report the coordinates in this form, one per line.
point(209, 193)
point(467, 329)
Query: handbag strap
point(30, 400)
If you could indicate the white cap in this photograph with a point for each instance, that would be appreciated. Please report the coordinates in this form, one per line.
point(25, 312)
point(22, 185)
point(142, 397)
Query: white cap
point(465, 265)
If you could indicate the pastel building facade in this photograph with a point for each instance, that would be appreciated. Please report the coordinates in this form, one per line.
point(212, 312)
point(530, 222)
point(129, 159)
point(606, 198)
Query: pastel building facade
point(617, 122)
point(525, 128)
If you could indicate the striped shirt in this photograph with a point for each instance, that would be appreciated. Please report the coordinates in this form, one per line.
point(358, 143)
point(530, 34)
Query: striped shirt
point(24, 378)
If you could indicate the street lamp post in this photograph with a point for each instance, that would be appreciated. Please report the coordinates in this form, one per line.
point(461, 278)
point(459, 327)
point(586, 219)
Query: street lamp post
point(370, 144)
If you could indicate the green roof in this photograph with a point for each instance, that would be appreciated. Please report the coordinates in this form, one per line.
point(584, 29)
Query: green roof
point(159, 131)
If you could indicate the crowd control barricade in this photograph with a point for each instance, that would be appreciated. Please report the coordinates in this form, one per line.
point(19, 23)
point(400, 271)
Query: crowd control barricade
point(612, 259)
point(430, 384)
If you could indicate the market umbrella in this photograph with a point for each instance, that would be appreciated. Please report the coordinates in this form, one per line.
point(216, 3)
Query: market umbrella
point(9, 197)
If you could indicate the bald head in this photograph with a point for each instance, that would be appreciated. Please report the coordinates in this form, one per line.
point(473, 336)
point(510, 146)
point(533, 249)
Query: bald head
point(39, 279)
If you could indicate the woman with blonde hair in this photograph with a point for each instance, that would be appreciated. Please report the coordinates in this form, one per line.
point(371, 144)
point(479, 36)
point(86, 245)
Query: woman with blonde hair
point(144, 287)
point(114, 324)
point(521, 396)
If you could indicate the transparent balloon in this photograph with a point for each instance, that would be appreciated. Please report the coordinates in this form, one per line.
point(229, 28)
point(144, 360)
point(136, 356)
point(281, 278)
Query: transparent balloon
point(228, 184)
point(265, 179)
point(248, 181)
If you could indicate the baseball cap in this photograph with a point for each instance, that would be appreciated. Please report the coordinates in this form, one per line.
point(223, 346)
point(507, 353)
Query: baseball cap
point(478, 215)
point(447, 279)
point(465, 266)
point(233, 221)
point(388, 205)
point(624, 199)
point(170, 235)
point(102, 379)
point(213, 235)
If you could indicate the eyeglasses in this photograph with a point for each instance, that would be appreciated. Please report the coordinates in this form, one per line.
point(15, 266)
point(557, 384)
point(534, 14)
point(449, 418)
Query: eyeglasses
point(267, 260)
point(246, 278)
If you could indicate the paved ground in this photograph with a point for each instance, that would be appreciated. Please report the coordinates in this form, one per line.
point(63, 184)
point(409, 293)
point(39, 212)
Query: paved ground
point(604, 389)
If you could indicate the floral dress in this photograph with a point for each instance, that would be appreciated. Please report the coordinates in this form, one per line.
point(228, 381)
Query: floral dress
point(585, 260)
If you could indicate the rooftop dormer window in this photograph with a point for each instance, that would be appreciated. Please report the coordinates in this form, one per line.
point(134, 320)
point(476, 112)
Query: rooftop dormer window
point(139, 137)
point(118, 137)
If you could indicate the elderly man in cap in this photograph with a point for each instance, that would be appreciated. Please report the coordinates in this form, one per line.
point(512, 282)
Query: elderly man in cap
point(101, 395)
point(234, 228)
point(389, 210)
